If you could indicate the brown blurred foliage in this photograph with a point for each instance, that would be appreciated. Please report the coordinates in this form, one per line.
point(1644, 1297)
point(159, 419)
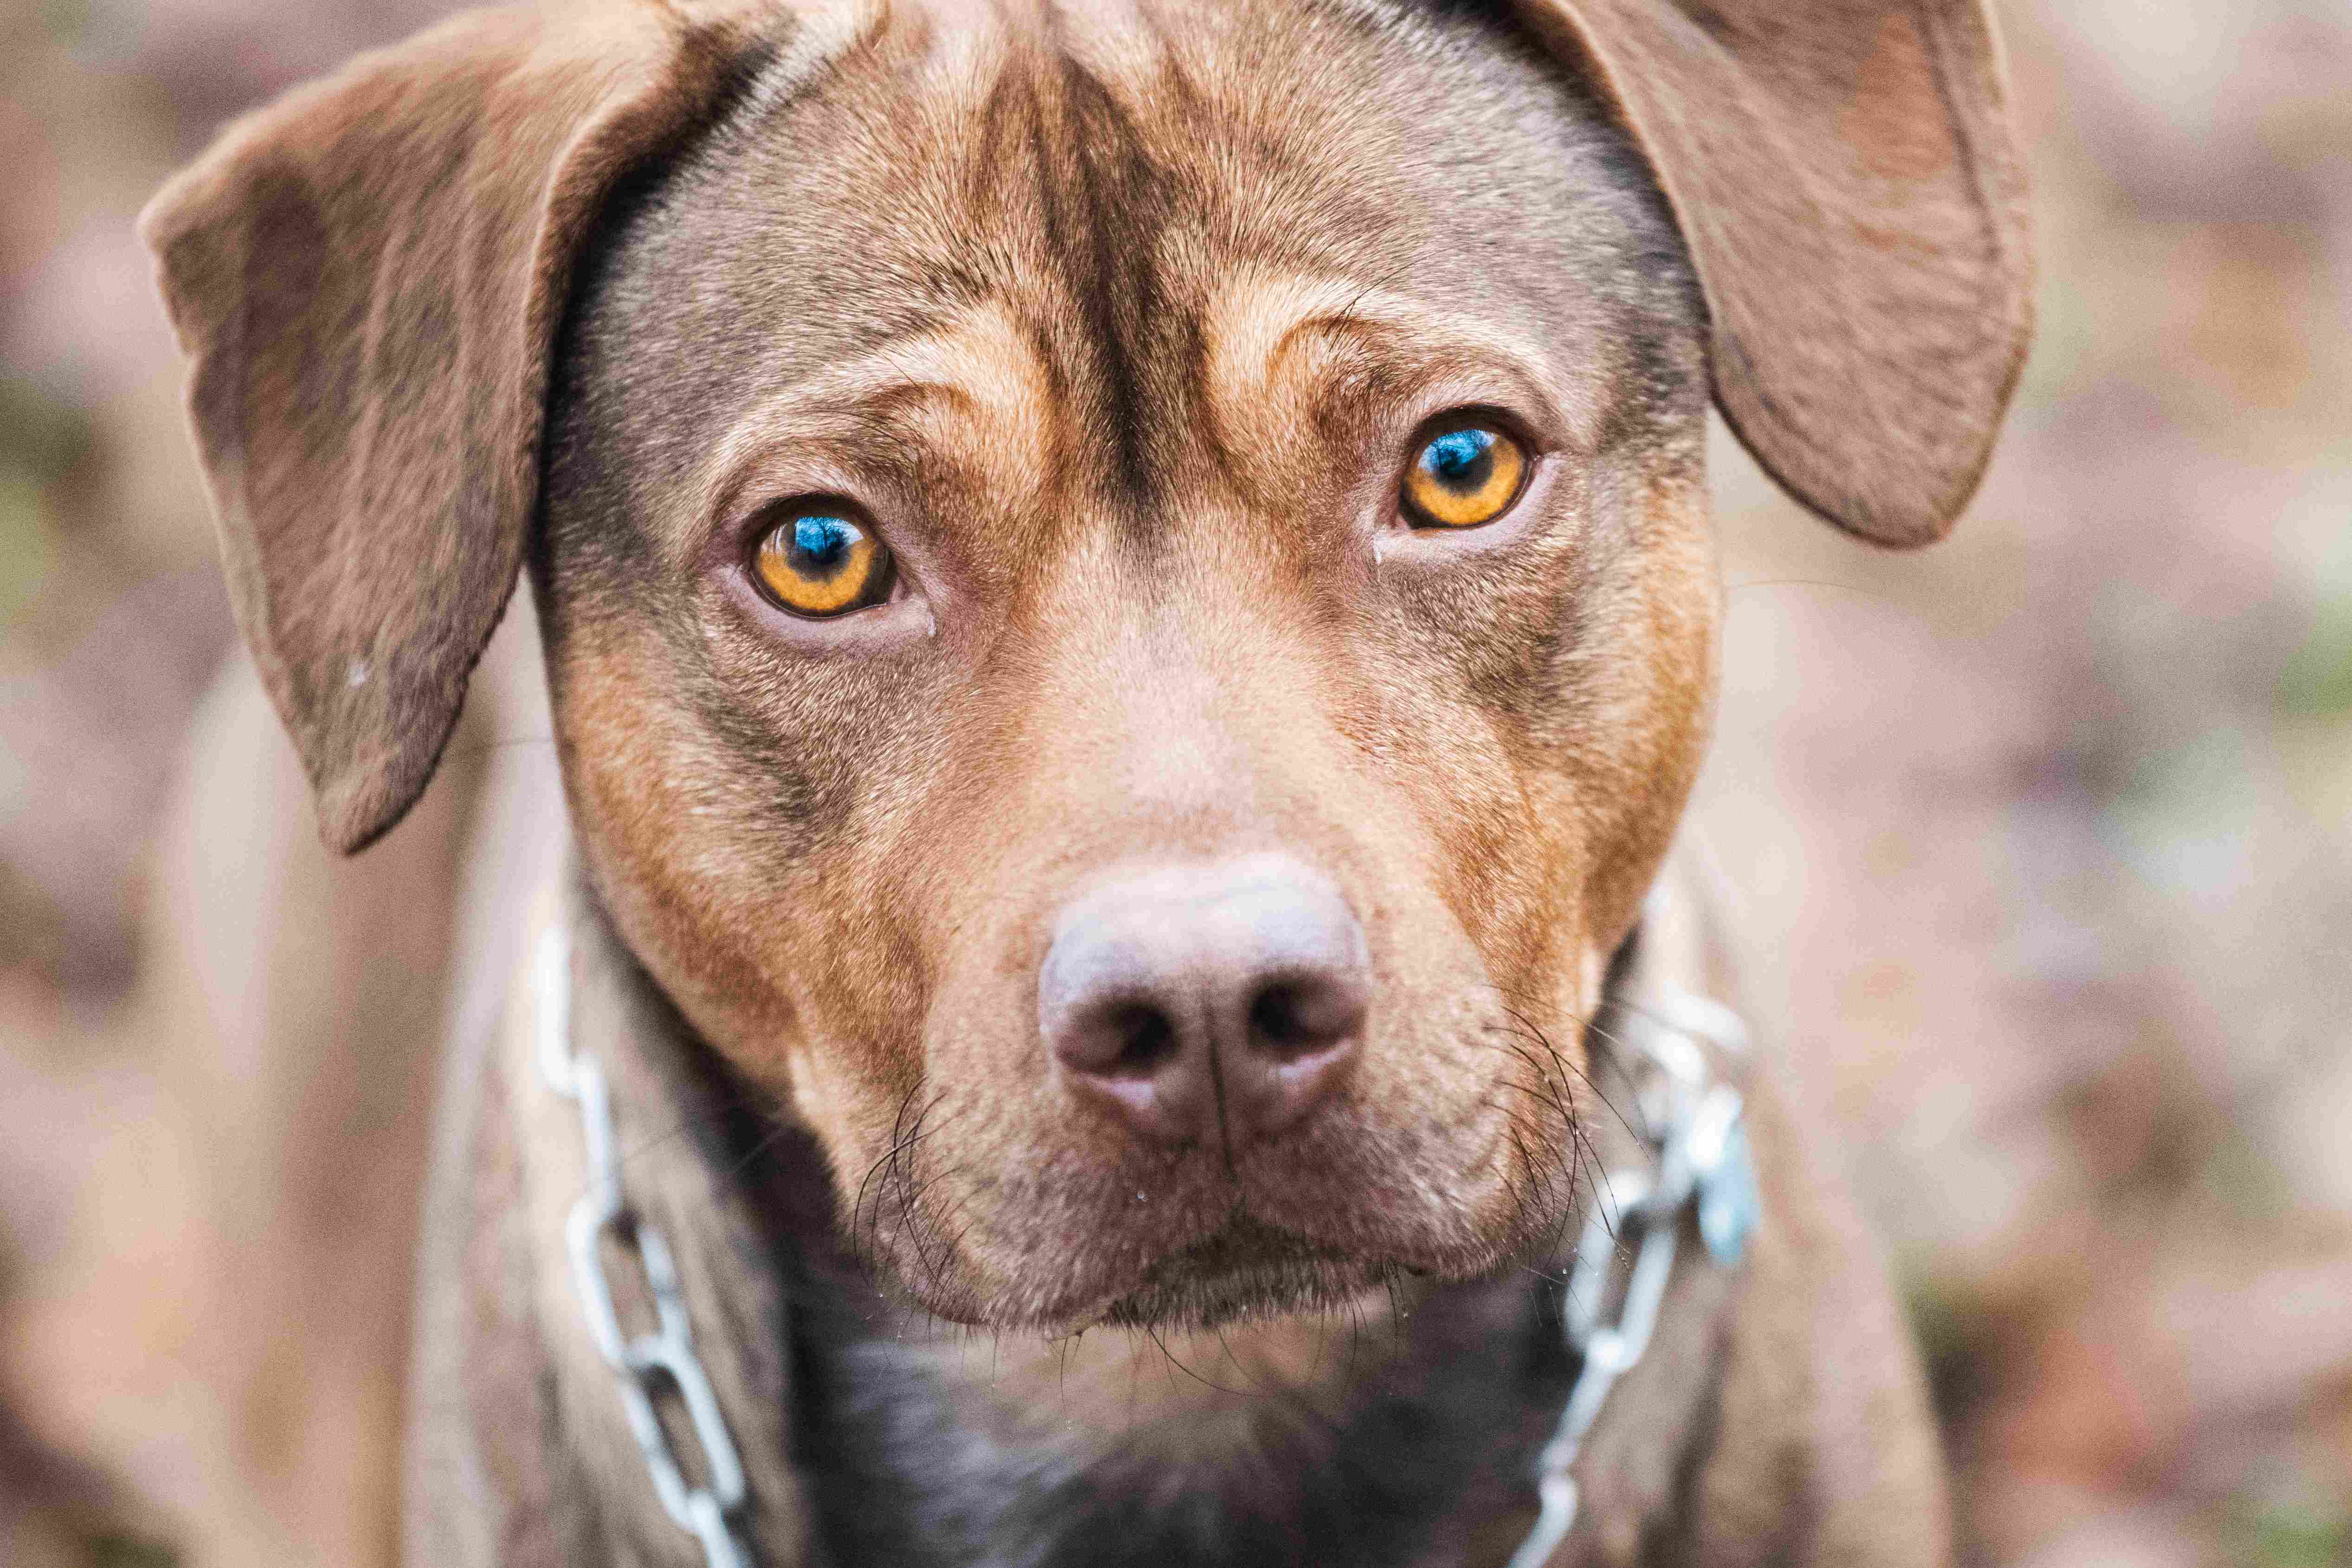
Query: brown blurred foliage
point(2048, 832)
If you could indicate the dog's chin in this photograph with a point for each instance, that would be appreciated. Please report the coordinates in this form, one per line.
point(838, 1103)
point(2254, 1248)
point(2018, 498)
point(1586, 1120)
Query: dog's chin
point(1249, 1270)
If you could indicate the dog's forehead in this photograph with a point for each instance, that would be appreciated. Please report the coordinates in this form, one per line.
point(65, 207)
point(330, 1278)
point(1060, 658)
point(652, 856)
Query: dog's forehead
point(965, 45)
point(943, 149)
point(1083, 214)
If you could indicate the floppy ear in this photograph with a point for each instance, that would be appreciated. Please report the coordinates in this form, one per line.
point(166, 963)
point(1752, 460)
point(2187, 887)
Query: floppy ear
point(368, 276)
point(1845, 175)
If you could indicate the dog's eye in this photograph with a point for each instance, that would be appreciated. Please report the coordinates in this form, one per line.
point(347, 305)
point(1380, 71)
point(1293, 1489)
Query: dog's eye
point(817, 561)
point(1464, 477)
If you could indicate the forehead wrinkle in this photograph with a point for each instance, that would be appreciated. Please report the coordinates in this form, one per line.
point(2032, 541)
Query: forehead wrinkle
point(1260, 322)
point(972, 383)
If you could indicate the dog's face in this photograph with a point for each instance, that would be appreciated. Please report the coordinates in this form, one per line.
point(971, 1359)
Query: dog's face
point(1127, 593)
point(1134, 353)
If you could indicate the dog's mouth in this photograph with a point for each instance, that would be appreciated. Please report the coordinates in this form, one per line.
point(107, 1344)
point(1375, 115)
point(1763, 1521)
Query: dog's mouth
point(1310, 1227)
point(1248, 1271)
point(1391, 1184)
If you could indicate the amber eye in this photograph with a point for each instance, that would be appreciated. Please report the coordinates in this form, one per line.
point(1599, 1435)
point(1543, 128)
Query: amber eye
point(1464, 477)
point(819, 561)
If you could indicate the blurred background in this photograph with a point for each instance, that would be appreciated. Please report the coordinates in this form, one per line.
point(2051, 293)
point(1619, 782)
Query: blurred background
point(2048, 832)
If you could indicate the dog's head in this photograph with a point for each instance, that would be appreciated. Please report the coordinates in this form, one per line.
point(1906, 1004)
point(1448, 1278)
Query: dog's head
point(1128, 589)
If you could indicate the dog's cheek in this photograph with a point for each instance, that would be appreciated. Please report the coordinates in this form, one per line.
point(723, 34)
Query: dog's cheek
point(1562, 698)
point(1506, 837)
point(750, 824)
point(724, 835)
point(1474, 923)
point(633, 766)
point(1647, 671)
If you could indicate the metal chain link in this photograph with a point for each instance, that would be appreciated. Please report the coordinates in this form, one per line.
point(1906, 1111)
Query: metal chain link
point(643, 1365)
point(1694, 1128)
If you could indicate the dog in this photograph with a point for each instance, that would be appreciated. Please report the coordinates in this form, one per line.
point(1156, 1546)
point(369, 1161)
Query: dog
point(1128, 607)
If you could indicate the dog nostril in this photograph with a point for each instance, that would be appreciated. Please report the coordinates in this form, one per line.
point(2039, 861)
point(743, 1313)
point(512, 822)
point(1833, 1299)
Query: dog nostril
point(1294, 1017)
point(1146, 1040)
point(1204, 1001)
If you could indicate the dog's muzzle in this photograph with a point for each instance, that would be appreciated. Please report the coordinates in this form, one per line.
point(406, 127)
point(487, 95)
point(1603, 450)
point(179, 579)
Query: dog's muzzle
point(1692, 1130)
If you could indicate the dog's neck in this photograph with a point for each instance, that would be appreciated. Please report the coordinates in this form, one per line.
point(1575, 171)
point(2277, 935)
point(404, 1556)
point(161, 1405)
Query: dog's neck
point(1400, 1432)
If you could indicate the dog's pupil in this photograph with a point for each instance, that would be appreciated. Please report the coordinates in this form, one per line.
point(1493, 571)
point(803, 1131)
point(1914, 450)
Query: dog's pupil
point(821, 545)
point(1461, 460)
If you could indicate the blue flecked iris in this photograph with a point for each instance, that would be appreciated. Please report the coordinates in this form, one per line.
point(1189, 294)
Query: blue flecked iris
point(822, 563)
point(822, 545)
point(1461, 459)
point(1464, 477)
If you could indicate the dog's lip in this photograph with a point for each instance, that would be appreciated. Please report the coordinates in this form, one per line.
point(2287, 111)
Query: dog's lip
point(1228, 1260)
point(1244, 1266)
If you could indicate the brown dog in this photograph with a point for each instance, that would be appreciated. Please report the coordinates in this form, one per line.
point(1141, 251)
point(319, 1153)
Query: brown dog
point(1130, 610)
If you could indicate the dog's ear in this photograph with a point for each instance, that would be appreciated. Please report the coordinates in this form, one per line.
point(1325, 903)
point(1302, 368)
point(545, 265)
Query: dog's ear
point(1846, 177)
point(368, 276)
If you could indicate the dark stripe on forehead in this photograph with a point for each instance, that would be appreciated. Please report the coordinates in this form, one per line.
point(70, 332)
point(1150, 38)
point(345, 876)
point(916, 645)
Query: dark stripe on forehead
point(1106, 205)
point(1123, 201)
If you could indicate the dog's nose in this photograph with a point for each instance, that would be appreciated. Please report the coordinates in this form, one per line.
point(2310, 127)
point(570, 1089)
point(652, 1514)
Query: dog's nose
point(1200, 1001)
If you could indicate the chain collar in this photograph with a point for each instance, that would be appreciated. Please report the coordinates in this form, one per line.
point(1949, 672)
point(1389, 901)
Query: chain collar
point(1690, 1123)
point(663, 1360)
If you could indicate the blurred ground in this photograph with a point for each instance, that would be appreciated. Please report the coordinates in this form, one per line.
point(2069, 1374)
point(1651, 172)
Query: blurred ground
point(2049, 831)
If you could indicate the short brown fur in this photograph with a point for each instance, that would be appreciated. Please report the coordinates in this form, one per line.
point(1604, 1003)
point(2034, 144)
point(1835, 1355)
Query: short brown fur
point(1119, 324)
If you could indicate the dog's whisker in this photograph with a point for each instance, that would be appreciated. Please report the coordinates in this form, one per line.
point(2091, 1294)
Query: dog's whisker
point(895, 1172)
point(1170, 1356)
point(1382, 283)
point(1593, 1085)
point(901, 1143)
point(921, 1237)
point(898, 1174)
point(1530, 1184)
point(1550, 1089)
point(931, 1239)
point(897, 1123)
point(955, 1242)
point(1587, 1024)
